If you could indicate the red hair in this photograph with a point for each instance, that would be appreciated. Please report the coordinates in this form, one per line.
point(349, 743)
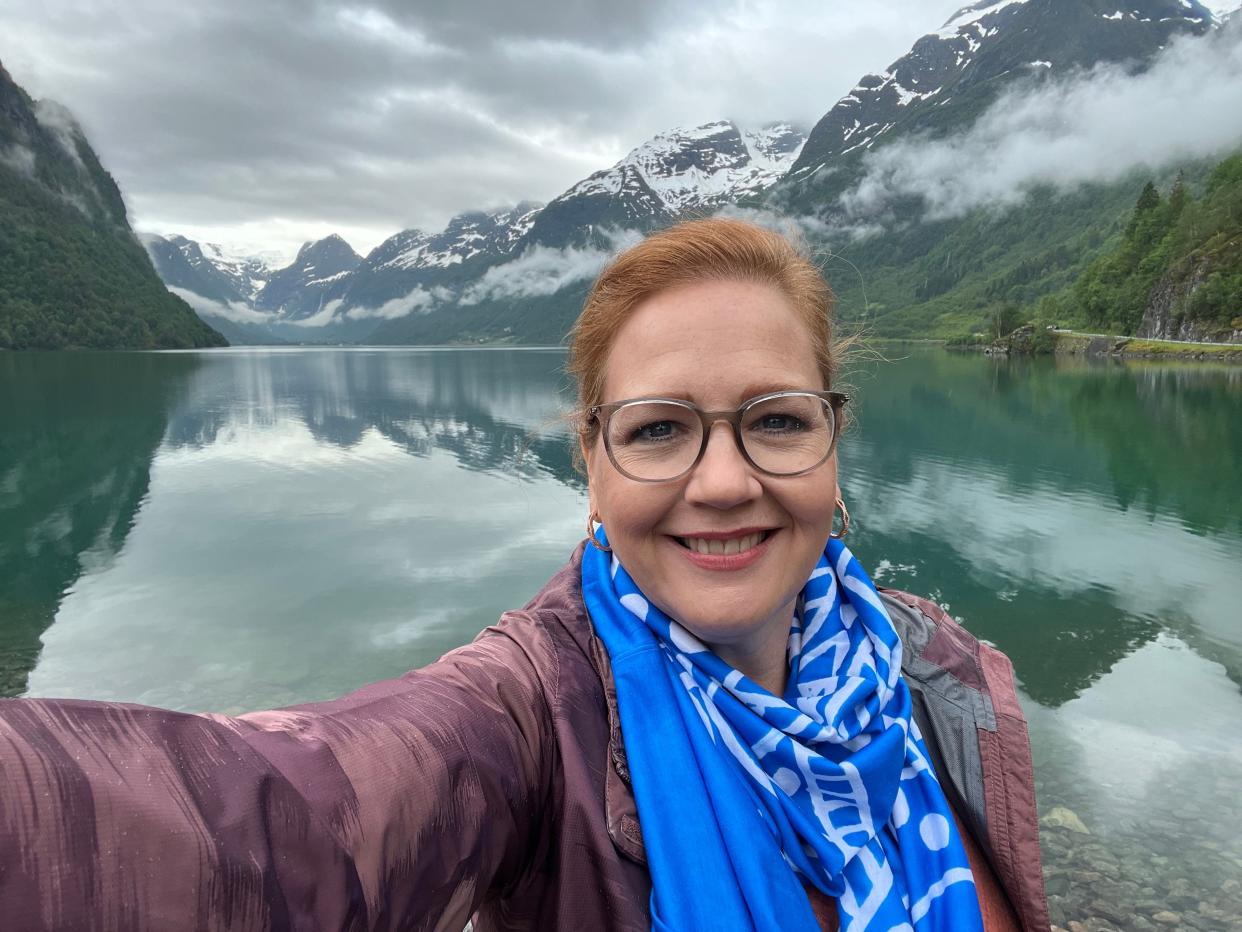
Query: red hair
point(695, 251)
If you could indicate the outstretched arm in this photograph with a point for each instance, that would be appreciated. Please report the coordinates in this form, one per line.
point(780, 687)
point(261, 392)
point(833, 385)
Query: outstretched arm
point(401, 805)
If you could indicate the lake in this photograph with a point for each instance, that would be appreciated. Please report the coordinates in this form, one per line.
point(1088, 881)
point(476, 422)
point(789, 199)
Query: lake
point(249, 528)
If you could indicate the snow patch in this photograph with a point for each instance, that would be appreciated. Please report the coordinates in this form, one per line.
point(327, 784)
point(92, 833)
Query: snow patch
point(970, 15)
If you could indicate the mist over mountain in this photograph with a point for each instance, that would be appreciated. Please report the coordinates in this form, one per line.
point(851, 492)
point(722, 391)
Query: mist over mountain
point(916, 186)
point(72, 273)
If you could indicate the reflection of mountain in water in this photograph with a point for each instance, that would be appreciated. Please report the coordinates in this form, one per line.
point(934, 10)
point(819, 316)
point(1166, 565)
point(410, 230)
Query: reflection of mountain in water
point(492, 410)
point(1068, 512)
point(77, 434)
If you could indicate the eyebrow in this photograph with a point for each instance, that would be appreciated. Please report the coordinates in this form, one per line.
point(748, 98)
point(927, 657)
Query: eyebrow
point(752, 390)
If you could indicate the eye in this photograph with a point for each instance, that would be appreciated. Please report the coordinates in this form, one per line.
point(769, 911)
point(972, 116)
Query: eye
point(654, 432)
point(779, 423)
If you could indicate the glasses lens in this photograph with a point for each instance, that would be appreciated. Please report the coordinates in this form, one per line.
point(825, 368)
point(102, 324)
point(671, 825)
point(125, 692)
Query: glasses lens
point(654, 440)
point(789, 433)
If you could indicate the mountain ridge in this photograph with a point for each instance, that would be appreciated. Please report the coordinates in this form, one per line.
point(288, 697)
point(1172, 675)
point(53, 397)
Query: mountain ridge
point(72, 272)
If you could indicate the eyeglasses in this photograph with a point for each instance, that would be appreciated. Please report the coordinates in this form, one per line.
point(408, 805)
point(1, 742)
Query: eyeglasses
point(661, 439)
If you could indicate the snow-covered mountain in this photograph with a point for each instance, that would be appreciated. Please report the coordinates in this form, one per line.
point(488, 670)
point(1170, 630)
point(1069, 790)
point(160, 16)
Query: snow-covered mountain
point(249, 270)
point(950, 75)
point(300, 289)
point(414, 259)
point(208, 269)
point(466, 236)
point(486, 274)
point(673, 174)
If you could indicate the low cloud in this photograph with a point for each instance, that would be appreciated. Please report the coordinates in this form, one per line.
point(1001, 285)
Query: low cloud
point(18, 158)
point(542, 270)
point(1096, 126)
point(420, 300)
point(322, 317)
point(796, 227)
point(235, 311)
point(57, 120)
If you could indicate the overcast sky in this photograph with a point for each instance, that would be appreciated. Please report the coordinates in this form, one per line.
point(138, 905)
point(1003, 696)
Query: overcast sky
point(263, 124)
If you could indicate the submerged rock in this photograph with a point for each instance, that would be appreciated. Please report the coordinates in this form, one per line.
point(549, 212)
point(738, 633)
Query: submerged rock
point(1061, 817)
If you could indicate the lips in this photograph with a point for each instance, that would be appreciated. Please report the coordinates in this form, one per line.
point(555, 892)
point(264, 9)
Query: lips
point(725, 550)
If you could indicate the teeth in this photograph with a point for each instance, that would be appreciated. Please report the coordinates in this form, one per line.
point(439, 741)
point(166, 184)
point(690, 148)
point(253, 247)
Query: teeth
point(723, 547)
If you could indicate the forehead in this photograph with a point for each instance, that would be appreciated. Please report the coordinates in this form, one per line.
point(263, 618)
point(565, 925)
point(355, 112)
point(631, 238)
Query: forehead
point(715, 343)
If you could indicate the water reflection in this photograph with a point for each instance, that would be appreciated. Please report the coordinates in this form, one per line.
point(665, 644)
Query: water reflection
point(994, 489)
point(493, 410)
point(77, 433)
point(319, 520)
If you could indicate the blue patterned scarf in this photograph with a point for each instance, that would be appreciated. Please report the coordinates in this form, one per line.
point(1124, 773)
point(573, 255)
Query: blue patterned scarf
point(743, 796)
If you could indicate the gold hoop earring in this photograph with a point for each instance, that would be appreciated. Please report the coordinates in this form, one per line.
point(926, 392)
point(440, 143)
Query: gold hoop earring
point(845, 521)
point(591, 519)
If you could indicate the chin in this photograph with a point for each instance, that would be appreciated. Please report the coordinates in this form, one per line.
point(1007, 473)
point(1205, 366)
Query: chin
point(736, 626)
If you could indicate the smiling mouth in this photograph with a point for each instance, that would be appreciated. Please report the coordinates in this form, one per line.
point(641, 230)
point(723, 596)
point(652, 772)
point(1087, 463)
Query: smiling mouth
point(714, 546)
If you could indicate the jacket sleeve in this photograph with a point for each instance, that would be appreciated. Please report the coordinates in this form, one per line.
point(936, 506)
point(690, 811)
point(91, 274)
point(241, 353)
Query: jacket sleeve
point(401, 805)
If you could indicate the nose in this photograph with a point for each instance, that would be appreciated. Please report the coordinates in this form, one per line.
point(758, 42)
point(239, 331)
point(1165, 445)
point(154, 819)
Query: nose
point(723, 478)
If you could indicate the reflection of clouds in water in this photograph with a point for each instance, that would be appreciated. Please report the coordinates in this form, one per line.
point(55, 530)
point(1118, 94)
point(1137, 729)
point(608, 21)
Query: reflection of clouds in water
point(493, 409)
point(285, 444)
point(1068, 541)
point(270, 567)
point(1163, 708)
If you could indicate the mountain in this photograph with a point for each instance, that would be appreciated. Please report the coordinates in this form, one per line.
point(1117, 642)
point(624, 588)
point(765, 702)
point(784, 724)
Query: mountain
point(905, 270)
point(329, 294)
point(299, 290)
point(1176, 270)
point(534, 294)
point(72, 273)
point(414, 263)
point(206, 269)
point(899, 266)
point(674, 174)
point(950, 76)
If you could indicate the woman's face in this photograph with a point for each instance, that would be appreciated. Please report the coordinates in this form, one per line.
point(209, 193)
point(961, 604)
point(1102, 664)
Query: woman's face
point(716, 344)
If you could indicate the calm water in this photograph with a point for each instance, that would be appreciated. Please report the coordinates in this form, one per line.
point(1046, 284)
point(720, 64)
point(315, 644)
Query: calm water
point(251, 528)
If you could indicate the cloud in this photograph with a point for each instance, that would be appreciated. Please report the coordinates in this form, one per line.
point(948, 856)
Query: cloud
point(19, 158)
point(796, 226)
point(57, 119)
point(542, 270)
point(224, 115)
point(235, 311)
point(1089, 127)
point(322, 317)
point(419, 300)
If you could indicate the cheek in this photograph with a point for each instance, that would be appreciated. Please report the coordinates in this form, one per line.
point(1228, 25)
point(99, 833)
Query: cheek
point(811, 505)
point(630, 510)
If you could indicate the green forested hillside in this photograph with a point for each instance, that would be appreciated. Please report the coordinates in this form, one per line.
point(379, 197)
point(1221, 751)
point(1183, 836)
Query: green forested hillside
point(71, 272)
point(959, 275)
point(1104, 257)
point(1176, 270)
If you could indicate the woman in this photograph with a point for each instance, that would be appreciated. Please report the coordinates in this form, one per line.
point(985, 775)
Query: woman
point(615, 754)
